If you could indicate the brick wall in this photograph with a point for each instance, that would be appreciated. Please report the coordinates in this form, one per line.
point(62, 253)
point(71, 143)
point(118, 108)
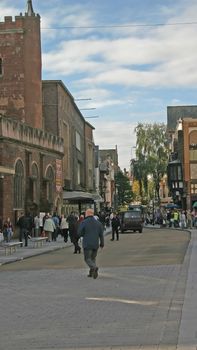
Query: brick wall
point(20, 83)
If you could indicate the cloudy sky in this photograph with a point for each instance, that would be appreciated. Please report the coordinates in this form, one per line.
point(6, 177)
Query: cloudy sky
point(132, 58)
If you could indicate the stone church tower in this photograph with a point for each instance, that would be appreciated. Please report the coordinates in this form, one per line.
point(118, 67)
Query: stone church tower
point(20, 68)
point(30, 157)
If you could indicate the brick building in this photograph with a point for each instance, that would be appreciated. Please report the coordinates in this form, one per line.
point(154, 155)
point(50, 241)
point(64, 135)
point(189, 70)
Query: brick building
point(30, 156)
point(108, 159)
point(62, 116)
point(182, 168)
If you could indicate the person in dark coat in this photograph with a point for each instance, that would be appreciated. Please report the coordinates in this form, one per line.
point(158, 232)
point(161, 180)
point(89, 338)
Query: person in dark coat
point(115, 223)
point(25, 224)
point(72, 228)
point(92, 232)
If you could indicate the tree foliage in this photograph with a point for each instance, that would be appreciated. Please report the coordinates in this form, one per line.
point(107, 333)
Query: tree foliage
point(151, 155)
point(123, 187)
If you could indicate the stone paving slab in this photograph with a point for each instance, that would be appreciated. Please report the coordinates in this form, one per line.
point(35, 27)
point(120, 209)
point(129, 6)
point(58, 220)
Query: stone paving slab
point(188, 326)
point(124, 307)
point(29, 251)
point(138, 308)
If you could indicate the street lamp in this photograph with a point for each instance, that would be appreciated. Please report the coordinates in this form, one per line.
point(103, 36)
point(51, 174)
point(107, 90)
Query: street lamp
point(175, 180)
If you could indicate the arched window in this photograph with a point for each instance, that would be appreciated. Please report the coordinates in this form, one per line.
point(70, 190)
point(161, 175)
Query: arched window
point(19, 188)
point(34, 185)
point(1, 66)
point(193, 140)
point(50, 184)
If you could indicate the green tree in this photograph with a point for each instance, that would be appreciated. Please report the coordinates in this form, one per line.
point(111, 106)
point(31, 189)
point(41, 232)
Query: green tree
point(151, 155)
point(123, 187)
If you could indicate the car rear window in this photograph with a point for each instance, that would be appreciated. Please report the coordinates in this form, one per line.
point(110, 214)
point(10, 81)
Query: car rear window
point(132, 214)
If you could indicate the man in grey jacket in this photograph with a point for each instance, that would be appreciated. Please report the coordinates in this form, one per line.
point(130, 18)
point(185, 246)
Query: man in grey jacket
point(92, 232)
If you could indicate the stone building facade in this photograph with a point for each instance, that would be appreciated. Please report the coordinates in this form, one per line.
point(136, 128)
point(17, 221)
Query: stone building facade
point(108, 167)
point(30, 157)
point(20, 74)
point(62, 116)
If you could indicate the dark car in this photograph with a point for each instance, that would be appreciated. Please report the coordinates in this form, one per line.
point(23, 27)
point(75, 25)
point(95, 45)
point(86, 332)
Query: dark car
point(132, 220)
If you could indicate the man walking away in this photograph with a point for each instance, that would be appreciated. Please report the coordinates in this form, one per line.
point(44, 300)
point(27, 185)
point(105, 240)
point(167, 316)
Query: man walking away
point(92, 232)
point(115, 223)
point(25, 224)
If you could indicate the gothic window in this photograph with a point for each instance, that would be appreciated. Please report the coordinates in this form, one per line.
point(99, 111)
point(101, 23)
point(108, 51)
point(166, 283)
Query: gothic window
point(19, 186)
point(50, 184)
point(1, 66)
point(34, 190)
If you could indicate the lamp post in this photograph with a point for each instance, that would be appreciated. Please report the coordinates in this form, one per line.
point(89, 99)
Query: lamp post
point(175, 179)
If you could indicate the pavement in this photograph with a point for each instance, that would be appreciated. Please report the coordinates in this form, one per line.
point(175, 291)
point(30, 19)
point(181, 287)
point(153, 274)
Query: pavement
point(187, 338)
point(29, 251)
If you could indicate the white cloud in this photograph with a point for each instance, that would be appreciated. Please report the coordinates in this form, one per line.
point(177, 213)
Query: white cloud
point(109, 134)
point(166, 56)
point(6, 10)
point(103, 64)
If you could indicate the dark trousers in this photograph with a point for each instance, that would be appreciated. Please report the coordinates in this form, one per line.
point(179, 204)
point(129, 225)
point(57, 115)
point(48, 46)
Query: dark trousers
point(76, 244)
point(115, 231)
point(65, 234)
point(54, 234)
point(23, 233)
point(90, 257)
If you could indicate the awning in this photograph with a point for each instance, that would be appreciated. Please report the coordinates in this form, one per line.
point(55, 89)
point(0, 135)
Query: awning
point(97, 198)
point(77, 196)
point(6, 171)
point(80, 196)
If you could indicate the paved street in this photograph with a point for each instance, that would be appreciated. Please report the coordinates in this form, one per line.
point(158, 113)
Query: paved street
point(48, 302)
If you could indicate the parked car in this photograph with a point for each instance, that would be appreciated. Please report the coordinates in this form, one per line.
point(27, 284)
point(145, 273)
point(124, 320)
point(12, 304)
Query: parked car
point(132, 220)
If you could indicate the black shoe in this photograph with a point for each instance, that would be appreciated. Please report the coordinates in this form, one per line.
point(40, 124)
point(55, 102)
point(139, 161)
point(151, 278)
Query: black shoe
point(95, 273)
point(90, 273)
point(111, 239)
point(75, 252)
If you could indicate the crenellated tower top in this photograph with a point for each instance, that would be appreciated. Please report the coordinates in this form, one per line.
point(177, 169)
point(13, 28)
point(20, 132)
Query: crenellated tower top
point(21, 75)
point(30, 11)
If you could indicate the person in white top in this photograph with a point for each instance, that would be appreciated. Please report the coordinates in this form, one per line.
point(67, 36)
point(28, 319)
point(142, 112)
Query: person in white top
point(49, 227)
point(37, 225)
point(64, 228)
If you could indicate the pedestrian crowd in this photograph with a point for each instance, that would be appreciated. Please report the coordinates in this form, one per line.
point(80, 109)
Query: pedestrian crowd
point(176, 218)
point(51, 225)
point(88, 228)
